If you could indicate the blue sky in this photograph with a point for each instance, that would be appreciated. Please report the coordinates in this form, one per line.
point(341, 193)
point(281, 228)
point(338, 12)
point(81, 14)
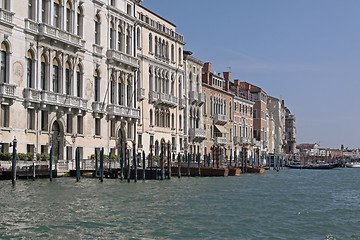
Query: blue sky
point(306, 52)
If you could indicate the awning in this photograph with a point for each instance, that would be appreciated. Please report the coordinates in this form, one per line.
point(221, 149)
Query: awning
point(221, 129)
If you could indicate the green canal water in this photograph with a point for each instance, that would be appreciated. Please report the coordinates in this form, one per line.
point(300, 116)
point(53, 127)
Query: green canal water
point(289, 204)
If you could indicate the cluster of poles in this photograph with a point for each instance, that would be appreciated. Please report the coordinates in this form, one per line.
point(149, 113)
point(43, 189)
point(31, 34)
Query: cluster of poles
point(241, 160)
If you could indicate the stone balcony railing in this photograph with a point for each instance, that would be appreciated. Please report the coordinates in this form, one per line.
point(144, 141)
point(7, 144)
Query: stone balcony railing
point(6, 16)
point(123, 111)
point(98, 107)
point(193, 97)
point(197, 134)
point(140, 94)
point(220, 140)
point(201, 99)
point(122, 58)
point(181, 103)
point(57, 99)
point(97, 49)
point(153, 96)
point(31, 25)
point(7, 90)
point(220, 119)
point(61, 35)
point(167, 100)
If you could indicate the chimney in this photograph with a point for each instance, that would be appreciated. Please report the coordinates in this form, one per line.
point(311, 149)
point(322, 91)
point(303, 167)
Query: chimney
point(236, 82)
point(207, 67)
point(227, 77)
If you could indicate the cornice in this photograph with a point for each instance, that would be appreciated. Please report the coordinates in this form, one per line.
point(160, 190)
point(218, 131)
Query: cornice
point(160, 63)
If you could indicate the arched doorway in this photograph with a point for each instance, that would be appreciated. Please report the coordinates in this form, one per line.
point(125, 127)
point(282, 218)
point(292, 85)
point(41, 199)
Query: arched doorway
point(57, 140)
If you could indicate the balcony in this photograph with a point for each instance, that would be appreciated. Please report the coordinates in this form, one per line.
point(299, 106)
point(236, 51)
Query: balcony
point(122, 111)
point(220, 140)
point(167, 100)
point(98, 107)
point(255, 142)
point(193, 97)
point(60, 35)
point(201, 99)
point(140, 94)
point(153, 96)
point(31, 25)
point(220, 119)
point(7, 90)
point(181, 103)
point(57, 99)
point(97, 50)
point(122, 58)
point(6, 17)
point(197, 134)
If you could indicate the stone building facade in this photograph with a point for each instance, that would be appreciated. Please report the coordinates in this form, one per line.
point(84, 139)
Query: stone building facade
point(276, 109)
point(290, 132)
point(68, 75)
point(218, 111)
point(161, 83)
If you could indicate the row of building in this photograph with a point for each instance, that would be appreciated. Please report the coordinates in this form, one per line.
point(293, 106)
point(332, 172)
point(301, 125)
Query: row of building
point(89, 74)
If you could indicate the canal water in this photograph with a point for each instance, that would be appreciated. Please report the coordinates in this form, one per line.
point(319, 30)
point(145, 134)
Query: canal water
point(289, 204)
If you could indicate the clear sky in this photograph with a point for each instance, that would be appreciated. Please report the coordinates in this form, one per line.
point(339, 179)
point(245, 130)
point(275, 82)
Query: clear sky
point(306, 52)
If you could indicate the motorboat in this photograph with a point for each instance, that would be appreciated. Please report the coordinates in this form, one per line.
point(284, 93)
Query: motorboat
point(353, 165)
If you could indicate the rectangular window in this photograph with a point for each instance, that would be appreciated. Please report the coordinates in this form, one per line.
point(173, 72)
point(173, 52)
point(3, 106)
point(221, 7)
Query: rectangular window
point(97, 89)
point(80, 124)
point(69, 123)
point(4, 147)
point(112, 128)
point(30, 12)
point(68, 153)
point(42, 76)
point(97, 127)
point(4, 116)
point(44, 149)
point(79, 84)
point(3, 66)
point(29, 73)
point(68, 81)
point(56, 14)
point(31, 119)
point(254, 113)
point(129, 9)
point(30, 148)
point(44, 120)
point(140, 141)
point(43, 11)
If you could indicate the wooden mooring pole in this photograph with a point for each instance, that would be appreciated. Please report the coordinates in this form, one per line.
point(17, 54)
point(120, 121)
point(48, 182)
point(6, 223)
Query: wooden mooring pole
point(135, 161)
point(14, 161)
point(51, 161)
point(102, 165)
point(179, 165)
point(144, 167)
point(96, 163)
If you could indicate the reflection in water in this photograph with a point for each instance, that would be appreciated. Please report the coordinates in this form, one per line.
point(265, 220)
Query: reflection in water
point(297, 204)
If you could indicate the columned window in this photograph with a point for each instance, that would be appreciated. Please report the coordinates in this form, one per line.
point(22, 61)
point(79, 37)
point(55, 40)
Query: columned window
point(56, 9)
point(68, 82)
point(96, 86)
point(128, 41)
point(31, 14)
point(97, 29)
point(55, 76)
point(112, 35)
point(138, 37)
point(80, 18)
point(43, 84)
point(30, 70)
point(44, 11)
point(69, 17)
point(3, 63)
point(79, 81)
point(150, 43)
point(172, 53)
point(180, 56)
point(112, 89)
point(119, 42)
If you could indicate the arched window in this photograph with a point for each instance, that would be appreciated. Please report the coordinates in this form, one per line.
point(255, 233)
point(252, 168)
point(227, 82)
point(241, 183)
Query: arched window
point(68, 82)
point(190, 81)
point(172, 121)
point(198, 119)
point(197, 84)
point(112, 35)
point(55, 77)
point(43, 84)
point(30, 70)
point(44, 11)
point(69, 17)
point(138, 37)
point(56, 20)
point(180, 124)
point(80, 19)
point(79, 81)
point(235, 133)
point(163, 49)
point(167, 50)
point(96, 86)
point(150, 43)
point(211, 106)
point(128, 41)
point(180, 56)
point(151, 117)
point(156, 46)
point(119, 40)
point(180, 87)
point(31, 14)
point(204, 106)
point(243, 125)
point(112, 89)
point(156, 148)
point(172, 86)
point(172, 53)
point(129, 93)
point(97, 29)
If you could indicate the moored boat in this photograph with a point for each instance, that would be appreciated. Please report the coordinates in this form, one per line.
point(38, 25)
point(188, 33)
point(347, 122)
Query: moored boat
point(234, 171)
point(353, 165)
point(255, 169)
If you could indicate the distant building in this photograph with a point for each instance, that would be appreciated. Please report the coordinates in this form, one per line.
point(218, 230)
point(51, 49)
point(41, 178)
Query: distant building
point(290, 132)
point(308, 149)
point(276, 108)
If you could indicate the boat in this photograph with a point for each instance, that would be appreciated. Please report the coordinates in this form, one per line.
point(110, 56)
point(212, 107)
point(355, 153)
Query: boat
point(296, 166)
point(319, 166)
point(255, 169)
point(353, 165)
point(234, 171)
